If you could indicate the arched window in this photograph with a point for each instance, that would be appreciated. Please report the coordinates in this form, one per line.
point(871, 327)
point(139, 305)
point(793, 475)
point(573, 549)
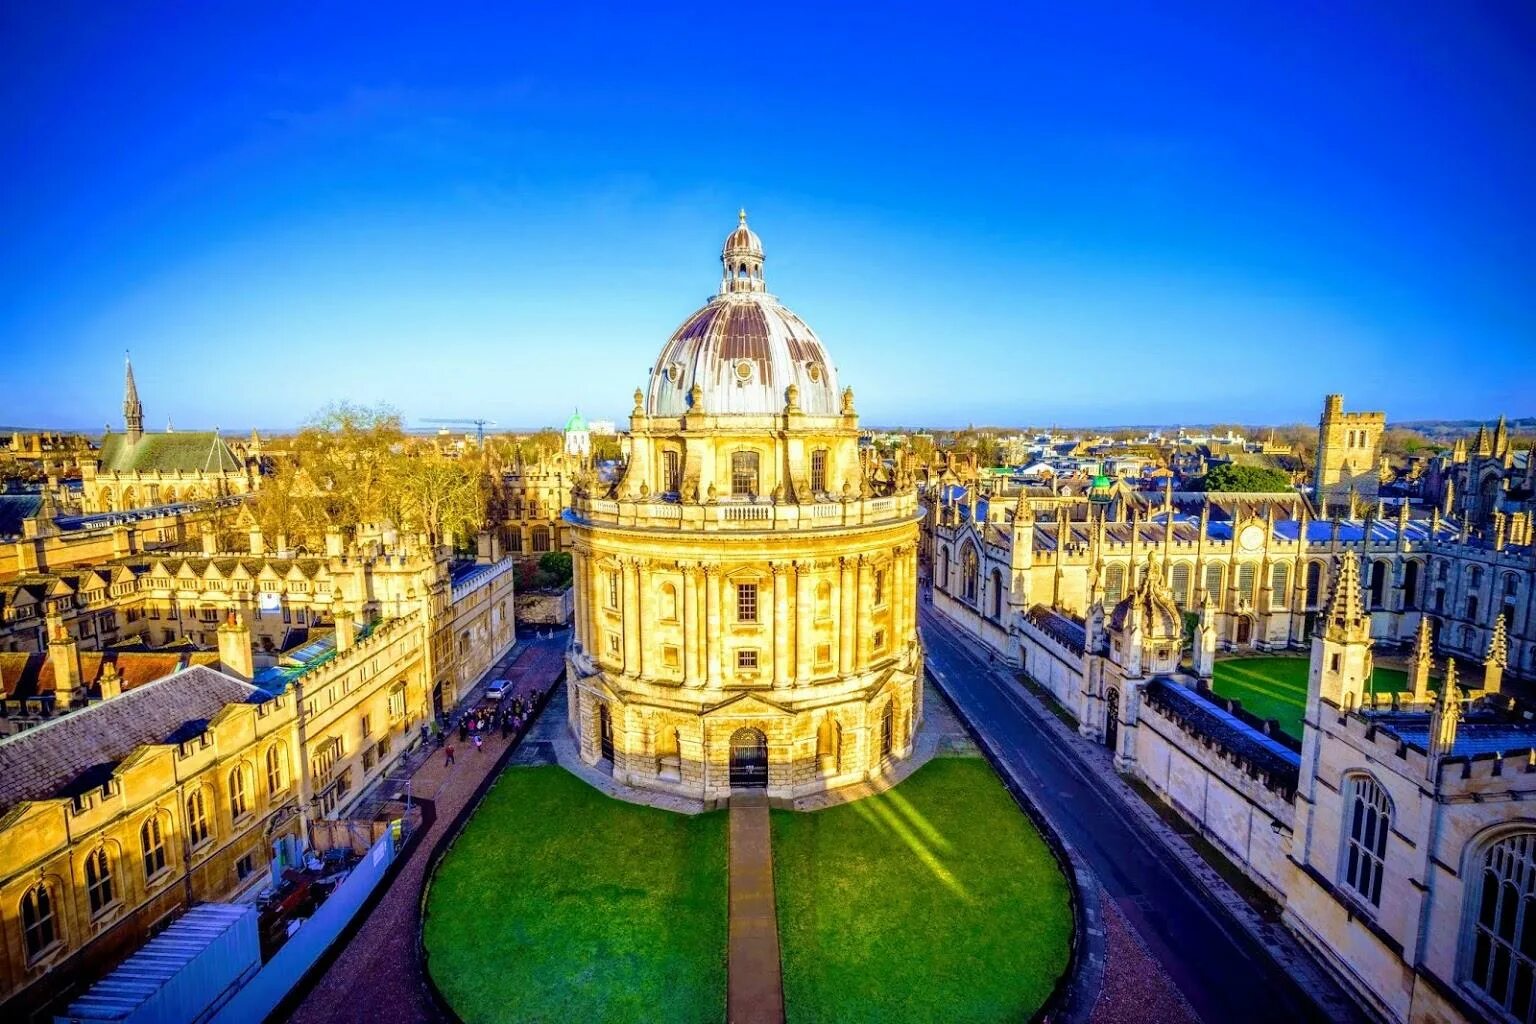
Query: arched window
point(1114, 585)
point(515, 541)
point(997, 596)
point(1213, 580)
point(1442, 570)
point(744, 474)
point(98, 879)
point(1181, 584)
point(152, 845)
point(197, 817)
point(1245, 581)
point(540, 539)
point(239, 799)
point(971, 573)
point(829, 743)
point(1474, 577)
point(1314, 583)
point(1368, 818)
point(1472, 607)
point(1511, 586)
point(1501, 963)
point(1410, 585)
point(1279, 583)
point(277, 769)
point(943, 580)
point(38, 927)
point(1378, 584)
point(668, 603)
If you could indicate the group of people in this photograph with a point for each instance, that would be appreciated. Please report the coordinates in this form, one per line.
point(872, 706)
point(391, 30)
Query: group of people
point(508, 715)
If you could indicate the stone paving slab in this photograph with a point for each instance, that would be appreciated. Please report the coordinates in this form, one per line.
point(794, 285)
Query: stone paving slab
point(755, 980)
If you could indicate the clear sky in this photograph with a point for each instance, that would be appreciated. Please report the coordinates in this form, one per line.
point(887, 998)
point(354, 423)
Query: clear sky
point(1025, 213)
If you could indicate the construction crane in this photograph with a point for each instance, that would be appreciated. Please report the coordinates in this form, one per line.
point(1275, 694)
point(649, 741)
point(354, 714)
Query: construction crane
point(479, 424)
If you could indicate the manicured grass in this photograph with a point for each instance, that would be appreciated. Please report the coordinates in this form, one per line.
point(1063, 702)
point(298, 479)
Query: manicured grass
point(560, 904)
point(1277, 687)
point(935, 901)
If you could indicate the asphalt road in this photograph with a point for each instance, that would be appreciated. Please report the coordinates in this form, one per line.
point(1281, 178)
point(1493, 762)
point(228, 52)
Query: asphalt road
point(1212, 960)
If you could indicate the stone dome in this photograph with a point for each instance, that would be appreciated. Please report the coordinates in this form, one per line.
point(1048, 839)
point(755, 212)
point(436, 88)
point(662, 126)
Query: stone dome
point(743, 349)
point(1160, 617)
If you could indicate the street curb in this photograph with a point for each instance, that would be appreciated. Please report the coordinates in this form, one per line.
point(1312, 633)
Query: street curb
point(1076, 990)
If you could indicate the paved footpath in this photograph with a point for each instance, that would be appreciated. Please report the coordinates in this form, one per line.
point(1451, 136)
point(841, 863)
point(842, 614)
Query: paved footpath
point(755, 982)
point(377, 978)
point(1164, 894)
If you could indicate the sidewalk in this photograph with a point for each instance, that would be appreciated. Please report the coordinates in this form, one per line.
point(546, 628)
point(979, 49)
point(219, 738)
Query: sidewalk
point(755, 980)
point(377, 977)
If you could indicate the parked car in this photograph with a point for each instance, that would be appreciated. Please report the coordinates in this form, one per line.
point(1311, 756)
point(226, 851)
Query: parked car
point(498, 688)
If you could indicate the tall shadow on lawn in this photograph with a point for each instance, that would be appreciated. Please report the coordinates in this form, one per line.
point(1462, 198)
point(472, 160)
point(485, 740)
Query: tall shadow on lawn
point(892, 813)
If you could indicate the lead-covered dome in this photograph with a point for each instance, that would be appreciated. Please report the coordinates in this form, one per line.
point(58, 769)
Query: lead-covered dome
point(744, 349)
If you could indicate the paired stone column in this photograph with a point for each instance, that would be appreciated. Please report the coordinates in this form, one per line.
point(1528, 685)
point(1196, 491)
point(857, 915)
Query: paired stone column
point(862, 616)
point(693, 621)
point(805, 614)
point(712, 637)
point(847, 627)
point(629, 597)
point(583, 598)
point(781, 622)
point(643, 612)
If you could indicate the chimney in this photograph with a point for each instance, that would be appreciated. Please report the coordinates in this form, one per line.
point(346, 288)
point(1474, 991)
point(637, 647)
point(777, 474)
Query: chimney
point(282, 545)
point(346, 628)
point(258, 543)
point(111, 684)
point(235, 647)
point(64, 656)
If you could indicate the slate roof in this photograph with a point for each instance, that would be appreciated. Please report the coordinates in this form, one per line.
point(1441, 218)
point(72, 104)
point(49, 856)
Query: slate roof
point(49, 760)
point(192, 451)
point(1277, 764)
point(14, 508)
point(1480, 732)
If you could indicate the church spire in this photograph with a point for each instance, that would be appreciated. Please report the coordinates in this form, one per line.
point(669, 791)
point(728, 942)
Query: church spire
point(133, 409)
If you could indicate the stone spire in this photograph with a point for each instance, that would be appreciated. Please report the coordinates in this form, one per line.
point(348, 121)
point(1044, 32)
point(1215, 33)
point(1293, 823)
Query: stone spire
point(1444, 717)
point(1501, 437)
point(1497, 659)
point(1482, 444)
point(1423, 659)
point(1345, 620)
point(133, 409)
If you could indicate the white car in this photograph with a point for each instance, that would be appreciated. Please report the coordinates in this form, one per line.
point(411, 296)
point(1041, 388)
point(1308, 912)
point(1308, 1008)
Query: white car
point(498, 688)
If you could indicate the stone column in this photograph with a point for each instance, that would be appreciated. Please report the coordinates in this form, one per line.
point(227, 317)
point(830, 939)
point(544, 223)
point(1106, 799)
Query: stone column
point(712, 622)
point(629, 598)
point(847, 628)
point(643, 612)
point(781, 622)
point(597, 593)
point(862, 616)
point(805, 614)
point(693, 654)
point(578, 573)
point(900, 581)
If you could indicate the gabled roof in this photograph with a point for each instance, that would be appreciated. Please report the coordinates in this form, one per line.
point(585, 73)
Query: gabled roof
point(194, 451)
point(46, 761)
point(24, 676)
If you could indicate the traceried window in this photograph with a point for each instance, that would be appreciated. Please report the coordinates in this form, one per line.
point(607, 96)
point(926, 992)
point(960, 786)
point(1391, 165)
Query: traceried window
point(1279, 583)
point(1501, 963)
point(1114, 585)
point(746, 602)
point(277, 770)
point(1181, 584)
point(1245, 580)
point(1410, 585)
point(197, 817)
point(819, 470)
point(1378, 585)
point(540, 538)
point(1368, 820)
point(239, 798)
point(996, 584)
point(38, 927)
point(152, 845)
point(970, 571)
point(98, 879)
point(744, 474)
point(1213, 583)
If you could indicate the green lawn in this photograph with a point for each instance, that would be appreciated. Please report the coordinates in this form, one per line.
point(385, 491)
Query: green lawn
point(560, 904)
point(935, 901)
point(1277, 687)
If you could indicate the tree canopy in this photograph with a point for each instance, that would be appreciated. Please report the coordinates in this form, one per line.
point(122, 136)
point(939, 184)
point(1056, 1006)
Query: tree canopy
point(1233, 477)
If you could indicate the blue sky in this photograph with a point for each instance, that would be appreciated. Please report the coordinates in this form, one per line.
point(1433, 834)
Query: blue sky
point(1024, 213)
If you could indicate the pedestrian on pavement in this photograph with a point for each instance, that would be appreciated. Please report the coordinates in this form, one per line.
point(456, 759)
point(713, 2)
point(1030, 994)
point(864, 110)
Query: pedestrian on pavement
point(478, 741)
point(463, 730)
point(448, 758)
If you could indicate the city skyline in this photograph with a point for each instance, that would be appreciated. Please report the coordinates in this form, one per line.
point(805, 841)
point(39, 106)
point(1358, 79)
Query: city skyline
point(337, 212)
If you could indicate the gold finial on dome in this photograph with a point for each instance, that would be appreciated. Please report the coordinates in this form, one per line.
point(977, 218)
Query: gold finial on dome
point(742, 213)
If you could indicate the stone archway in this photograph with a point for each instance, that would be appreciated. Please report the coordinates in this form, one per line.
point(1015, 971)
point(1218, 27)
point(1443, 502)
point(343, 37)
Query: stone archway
point(1111, 717)
point(749, 759)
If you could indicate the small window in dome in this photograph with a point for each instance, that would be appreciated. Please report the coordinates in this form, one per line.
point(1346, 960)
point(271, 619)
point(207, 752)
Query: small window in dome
point(674, 372)
point(814, 372)
point(744, 370)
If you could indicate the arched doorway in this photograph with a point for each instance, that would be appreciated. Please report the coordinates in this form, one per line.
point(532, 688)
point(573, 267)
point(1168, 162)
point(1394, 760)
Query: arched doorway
point(605, 731)
point(1111, 717)
point(1244, 630)
point(749, 759)
point(887, 731)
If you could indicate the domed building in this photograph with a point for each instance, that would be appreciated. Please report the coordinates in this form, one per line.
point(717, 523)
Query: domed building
point(746, 589)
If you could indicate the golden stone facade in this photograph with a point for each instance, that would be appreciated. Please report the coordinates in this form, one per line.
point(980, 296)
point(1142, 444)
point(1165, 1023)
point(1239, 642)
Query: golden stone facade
point(746, 590)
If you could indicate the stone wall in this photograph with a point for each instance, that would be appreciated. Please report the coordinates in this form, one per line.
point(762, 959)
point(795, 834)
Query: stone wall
point(545, 608)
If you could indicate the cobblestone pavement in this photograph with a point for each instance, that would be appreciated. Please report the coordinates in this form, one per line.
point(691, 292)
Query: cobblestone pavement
point(377, 978)
point(1136, 990)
